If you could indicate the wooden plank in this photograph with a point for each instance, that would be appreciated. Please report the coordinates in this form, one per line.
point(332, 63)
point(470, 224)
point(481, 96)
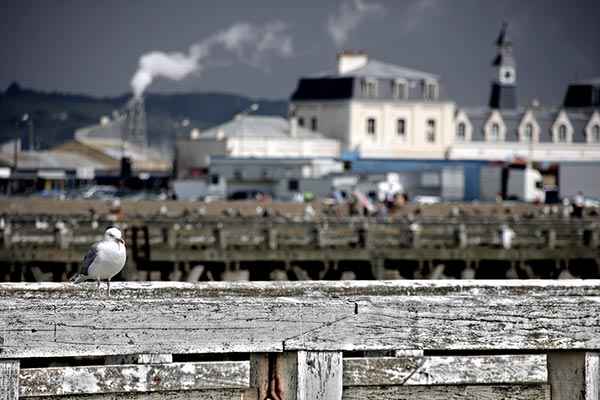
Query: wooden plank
point(9, 379)
point(459, 392)
point(574, 375)
point(133, 378)
point(447, 370)
point(348, 289)
point(91, 327)
point(319, 375)
point(461, 322)
point(211, 394)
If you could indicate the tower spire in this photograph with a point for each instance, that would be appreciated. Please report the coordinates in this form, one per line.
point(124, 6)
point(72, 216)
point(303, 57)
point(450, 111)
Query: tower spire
point(504, 85)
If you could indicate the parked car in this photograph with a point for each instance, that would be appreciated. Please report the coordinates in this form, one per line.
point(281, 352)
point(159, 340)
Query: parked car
point(250, 195)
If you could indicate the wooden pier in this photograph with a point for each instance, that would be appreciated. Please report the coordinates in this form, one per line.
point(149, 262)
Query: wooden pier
point(519, 340)
point(192, 247)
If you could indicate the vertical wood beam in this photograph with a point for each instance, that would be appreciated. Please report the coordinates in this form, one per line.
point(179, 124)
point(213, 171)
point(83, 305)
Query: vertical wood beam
point(9, 379)
point(319, 375)
point(302, 375)
point(574, 375)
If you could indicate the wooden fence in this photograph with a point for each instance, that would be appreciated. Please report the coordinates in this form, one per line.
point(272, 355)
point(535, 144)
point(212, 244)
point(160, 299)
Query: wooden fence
point(302, 340)
point(309, 249)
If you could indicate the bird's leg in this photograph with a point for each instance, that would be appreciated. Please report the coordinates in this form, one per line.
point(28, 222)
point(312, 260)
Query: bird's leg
point(108, 287)
point(98, 284)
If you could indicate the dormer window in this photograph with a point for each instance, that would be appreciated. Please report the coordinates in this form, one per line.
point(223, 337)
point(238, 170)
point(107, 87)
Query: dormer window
point(430, 90)
point(400, 89)
point(595, 134)
point(369, 88)
point(461, 131)
point(562, 130)
point(528, 133)
point(495, 133)
point(562, 133)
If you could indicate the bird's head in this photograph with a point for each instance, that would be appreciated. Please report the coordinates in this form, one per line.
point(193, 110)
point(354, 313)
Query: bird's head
point(114, 234)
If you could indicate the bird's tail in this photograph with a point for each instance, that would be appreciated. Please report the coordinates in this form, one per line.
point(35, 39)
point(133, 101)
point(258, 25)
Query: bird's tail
point(79, 279)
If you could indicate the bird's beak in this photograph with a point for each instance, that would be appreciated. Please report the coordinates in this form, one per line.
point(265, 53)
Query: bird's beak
point(120, 240)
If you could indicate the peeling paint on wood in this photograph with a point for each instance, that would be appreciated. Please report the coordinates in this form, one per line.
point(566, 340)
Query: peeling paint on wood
point(134, 378)
point(212, 394)
point(9, 379)
point(446, 370)
point(526, 392)
point(462, 322)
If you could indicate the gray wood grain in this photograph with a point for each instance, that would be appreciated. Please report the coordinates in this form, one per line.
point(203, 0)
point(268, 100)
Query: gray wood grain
point(529, 392)
point(211, 394)
point(446, 370)
point(9, 379)
point(133, 378)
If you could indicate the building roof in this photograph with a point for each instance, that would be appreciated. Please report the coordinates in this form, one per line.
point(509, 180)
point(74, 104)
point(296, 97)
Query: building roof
point(544, 117)
point(377, 69)
point(258, 127)
point(49, 160)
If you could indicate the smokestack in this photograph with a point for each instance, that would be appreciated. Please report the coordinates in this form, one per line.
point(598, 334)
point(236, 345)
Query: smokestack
point(349, 60)
point(293, 122)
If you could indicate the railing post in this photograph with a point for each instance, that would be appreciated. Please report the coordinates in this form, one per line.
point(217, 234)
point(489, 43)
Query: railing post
point(574, 375)
point(9, 379)
point(271, 238)
point(302, 375)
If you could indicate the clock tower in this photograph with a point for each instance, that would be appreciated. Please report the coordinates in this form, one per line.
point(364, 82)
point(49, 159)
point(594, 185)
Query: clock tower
point(504, 86)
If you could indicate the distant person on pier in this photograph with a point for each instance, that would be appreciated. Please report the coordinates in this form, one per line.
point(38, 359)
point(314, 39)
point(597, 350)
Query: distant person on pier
point(578, 203)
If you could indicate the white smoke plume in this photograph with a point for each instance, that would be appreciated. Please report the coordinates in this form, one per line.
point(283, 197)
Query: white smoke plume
point(250, 44)
point(351, 14)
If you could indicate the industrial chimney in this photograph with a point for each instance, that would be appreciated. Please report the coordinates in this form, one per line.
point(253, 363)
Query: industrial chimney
point(293, 120)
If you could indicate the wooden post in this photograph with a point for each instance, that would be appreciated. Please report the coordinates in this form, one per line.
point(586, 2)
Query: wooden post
point(363, 237)
point(9, 379)
point(7, 236)
point(460, 236)
point(574, 375)
point(302, 375)
point(317, 237)
point(550, 238)
point(271, 238)
point(590, 237)
point(220, 240)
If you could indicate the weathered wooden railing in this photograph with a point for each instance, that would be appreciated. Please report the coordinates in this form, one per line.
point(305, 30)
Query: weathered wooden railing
point(175, 246)
point(302, 340)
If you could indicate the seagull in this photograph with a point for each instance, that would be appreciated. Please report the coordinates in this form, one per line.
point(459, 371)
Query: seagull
point(104, 259)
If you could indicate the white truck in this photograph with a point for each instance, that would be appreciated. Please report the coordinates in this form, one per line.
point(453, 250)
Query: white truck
point(525, 185)
point(512, 183)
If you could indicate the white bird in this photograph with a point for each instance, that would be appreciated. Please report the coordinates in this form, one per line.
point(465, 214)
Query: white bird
point(104, 259)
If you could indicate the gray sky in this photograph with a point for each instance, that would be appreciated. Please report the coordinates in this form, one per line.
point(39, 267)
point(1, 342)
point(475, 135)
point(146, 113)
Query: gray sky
point(94, 47)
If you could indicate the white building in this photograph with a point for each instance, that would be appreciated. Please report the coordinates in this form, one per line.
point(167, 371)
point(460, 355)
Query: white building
point(378, 109)
point(505, 131)
point(247, 136)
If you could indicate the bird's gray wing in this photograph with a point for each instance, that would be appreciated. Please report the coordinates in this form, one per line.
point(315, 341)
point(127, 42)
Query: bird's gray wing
point(89, 258)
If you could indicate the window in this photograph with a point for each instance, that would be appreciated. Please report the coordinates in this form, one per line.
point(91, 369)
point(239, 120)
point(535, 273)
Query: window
point(266, 173)
point(369, 88)
point(400, 89)
point(495, 133)
point(214, 179)
point(371, 126)
point(430, 90)
point(562, 133)
point(301, 121)
point(528, 133)
point(401, 127)
point(430, 131)
point(239, 174)
point(313, 123)
point(596, 133)
point(461, 131)
point(293, 185)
